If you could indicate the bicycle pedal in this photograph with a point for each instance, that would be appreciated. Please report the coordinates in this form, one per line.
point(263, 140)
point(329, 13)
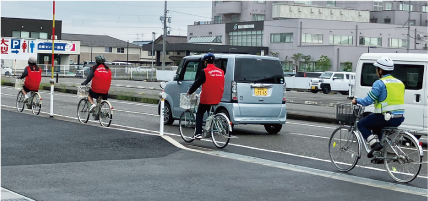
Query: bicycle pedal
point(377, 161)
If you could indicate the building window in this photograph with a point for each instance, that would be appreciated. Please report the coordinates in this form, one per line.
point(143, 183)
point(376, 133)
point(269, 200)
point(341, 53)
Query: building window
point(304, 2)
point(217, 19)
point(307, 67)
point(367, 41)
point(43, 35)
point(150, 53)
point(342, 40)
point(178, 53)
point(424, 8)
point(331, 3)
point(16, 34)
point(121, 50)
point(281, 38)
point(404, 6)
point(25, 34)
point(258, 17)
point(387, 20)
point(377, 5)
point(235, 18)
point(109, 49)
point(287, 66)
point(373, 20)
point(412, 22)
point(34, 34)
point(246, 38)
point(395, 42)
point(388, 6)
point(312, 38)
point(260, 1)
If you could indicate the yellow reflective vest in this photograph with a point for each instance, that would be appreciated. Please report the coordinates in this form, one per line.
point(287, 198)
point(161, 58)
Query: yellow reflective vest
point(394, 96)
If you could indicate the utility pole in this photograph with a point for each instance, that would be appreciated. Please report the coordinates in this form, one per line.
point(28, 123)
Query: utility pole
point(127, 47)
point(164, 38)
point(153, 45)
point(408, 30)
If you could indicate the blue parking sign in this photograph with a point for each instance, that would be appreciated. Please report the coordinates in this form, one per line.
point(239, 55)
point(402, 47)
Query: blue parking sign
point(15, 44)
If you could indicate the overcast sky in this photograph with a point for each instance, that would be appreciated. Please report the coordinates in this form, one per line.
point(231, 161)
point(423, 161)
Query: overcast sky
point(125, 20)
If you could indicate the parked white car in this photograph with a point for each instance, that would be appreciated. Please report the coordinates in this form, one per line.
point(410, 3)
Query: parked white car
point(143, 69)
point(6, 70)
point(332, 81)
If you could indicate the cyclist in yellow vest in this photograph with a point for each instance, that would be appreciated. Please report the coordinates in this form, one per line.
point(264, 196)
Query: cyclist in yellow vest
point(387, 95)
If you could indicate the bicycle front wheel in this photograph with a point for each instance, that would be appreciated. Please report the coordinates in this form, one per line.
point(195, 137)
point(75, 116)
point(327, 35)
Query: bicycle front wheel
point(83, 111)
point(20, 101)
point(220, 131)
point(105, 113)
point(187, 126)
point(344, 149)
point(406, 164)
point(36, 105)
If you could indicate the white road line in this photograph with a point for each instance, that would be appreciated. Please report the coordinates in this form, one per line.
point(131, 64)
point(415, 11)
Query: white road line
point(7, 194)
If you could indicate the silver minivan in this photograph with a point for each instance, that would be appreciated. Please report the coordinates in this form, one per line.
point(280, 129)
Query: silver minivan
point(254, 91)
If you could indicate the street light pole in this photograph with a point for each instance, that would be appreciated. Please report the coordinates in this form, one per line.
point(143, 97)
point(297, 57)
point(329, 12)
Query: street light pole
point(164, 38)
point(153, 45)
point(408, 30)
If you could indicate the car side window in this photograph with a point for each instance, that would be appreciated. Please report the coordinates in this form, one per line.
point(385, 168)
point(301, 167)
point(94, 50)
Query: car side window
point(347, 76)
point(222, 64)
point(339, 76)
point(190, 70)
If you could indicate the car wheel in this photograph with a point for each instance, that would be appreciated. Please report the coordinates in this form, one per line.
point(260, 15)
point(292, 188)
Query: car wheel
point(7, 73)
point(314, 91)
point(227, 115)
point(168, 120)
point(326, 89)
point(273, 128)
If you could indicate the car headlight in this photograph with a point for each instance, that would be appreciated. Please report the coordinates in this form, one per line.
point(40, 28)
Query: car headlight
point(321, 80)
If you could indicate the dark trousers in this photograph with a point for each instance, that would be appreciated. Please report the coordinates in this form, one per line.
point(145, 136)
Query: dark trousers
point(375, 122)
point(202, 108)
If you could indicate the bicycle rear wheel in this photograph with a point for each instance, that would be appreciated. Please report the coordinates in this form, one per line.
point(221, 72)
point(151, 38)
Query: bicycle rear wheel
point(344, 149)
point(20, 101)
point(408, 160)
point(220, 131)
point(105, 113)
point(36, 104)
point(187, 126)
point(83, 111)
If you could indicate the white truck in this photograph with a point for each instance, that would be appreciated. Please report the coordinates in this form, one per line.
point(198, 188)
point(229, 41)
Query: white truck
point(332, 81)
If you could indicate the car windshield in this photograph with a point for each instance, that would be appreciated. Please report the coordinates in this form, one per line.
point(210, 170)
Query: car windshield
point(326, 75)
point(250, 70)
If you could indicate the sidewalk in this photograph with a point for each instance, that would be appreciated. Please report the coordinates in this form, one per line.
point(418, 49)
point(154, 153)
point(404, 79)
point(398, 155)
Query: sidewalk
point(147, 92)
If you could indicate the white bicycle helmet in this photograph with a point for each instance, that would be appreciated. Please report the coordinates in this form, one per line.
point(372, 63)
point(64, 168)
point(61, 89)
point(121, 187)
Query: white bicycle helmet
point(384, 63)
point(32, 60)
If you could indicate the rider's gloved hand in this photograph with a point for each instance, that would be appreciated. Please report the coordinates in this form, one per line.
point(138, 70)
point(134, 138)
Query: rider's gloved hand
point(354, 101)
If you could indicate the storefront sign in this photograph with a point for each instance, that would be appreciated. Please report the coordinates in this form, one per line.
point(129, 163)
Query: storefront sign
point(69, 47)
point(16, 48)
point(245, 26)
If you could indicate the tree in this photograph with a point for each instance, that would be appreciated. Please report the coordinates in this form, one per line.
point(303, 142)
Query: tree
point(307, 58)
point(296, 58)
point(274, 54)
point(323, 64)
point(347, 66)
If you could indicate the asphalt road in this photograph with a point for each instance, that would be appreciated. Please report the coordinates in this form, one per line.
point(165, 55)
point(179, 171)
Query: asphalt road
point(277, 158)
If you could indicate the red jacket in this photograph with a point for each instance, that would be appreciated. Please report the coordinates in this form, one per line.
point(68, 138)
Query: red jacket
point(33, 79)
point(213, 87)
point(102, 80)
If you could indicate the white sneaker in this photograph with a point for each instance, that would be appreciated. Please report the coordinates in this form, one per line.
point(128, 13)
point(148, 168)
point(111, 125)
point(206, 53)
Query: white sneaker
point(92, 107)
point(26, 98)
point(198, 136)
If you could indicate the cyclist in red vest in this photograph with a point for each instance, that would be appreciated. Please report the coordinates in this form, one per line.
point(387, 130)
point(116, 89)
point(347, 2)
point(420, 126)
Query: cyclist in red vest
point(212, 80)
point(100, 74)
point(33, 77)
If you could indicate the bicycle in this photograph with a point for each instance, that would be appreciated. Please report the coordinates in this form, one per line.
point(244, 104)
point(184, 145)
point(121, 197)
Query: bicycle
point(103, 109)
point(217, 126)
point(34, 101)
point(401, 153)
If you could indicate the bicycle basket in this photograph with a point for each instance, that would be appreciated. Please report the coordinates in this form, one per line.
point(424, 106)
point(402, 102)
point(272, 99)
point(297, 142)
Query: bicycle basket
point(82, 91)
point(345, 114)
point(188, 102)
point(19, 84)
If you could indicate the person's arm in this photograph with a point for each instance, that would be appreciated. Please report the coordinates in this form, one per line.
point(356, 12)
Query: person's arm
point(198, 82)
point(24, 74)
point(89, 78)
point(373, 95)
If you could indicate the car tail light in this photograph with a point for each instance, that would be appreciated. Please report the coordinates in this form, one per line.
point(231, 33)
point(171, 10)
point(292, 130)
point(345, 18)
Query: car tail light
point(234, 91)
point(284, 87)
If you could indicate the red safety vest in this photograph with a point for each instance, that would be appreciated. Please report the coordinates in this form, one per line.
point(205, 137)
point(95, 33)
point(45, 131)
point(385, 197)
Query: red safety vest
point(213, 88)
point(33, 79)
point(101, 81)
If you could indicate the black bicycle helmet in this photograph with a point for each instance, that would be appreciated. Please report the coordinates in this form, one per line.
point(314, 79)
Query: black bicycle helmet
point(209, 57)
point(100, 59)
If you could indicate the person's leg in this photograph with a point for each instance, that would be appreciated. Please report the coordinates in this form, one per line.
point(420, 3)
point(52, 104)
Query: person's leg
point(202, 108)
point(25, 90)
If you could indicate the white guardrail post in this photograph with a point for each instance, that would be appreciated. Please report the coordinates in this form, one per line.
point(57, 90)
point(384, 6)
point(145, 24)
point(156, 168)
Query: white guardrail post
point(162, 96)
point(52, 96)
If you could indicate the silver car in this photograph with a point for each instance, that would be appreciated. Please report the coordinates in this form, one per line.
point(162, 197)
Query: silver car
point(254, 91)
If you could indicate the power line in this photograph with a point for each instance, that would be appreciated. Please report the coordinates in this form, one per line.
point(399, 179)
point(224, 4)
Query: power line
point(188, 14)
